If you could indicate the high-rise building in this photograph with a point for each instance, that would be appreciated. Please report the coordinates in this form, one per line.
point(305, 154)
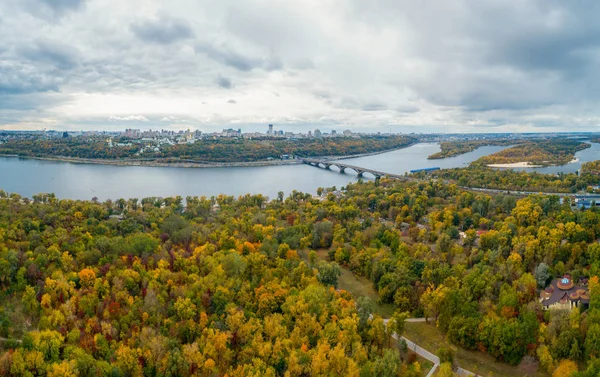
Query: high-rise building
point(318, 133)
point(270, 133)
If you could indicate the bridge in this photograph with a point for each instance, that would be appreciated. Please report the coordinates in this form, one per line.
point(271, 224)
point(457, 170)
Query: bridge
point(342, 168)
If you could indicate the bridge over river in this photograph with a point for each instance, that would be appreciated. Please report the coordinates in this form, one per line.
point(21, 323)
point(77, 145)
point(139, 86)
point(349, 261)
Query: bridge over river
point(342, 167)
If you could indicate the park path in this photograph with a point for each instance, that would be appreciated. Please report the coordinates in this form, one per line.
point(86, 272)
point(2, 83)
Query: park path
point(426, 354)
point(423, 353)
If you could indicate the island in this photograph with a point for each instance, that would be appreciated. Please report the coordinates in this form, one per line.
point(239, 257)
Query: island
point(536, 153)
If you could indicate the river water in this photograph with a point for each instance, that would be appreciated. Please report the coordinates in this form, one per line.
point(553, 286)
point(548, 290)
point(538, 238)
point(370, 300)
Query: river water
point(85, 181)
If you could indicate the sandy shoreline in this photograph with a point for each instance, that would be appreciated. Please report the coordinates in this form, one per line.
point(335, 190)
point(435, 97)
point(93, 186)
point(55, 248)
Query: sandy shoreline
point(522, 164)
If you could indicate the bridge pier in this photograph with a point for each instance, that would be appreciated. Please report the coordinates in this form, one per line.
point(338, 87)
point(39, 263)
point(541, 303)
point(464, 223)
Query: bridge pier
point(342, 168)
point(359, 173)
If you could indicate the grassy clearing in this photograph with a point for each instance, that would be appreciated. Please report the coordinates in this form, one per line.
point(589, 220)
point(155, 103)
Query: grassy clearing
point(359, 286)
point(430, 337)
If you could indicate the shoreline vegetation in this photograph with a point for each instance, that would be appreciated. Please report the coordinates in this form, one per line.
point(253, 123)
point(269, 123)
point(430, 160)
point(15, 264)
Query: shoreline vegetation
point(201, 153)
point(456, 148)
point(519, 180)
point(195, 164)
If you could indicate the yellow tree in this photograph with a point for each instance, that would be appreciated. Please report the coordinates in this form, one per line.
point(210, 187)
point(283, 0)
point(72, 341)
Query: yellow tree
point(565, 368)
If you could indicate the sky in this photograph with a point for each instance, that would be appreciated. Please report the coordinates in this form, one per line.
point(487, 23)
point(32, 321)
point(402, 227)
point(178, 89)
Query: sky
point(377, 65)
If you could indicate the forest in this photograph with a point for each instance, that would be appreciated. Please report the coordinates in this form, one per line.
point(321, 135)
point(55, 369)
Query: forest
point(206, 150)
point(235, 286)
point(456, 148)
point(539, 152)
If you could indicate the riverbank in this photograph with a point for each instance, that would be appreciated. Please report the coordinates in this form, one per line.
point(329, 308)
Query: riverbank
point(154, 163)
point(190, 163)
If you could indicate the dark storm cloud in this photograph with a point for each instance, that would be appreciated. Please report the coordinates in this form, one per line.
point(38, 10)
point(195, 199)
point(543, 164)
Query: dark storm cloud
point(163, 30)
point(224, 82)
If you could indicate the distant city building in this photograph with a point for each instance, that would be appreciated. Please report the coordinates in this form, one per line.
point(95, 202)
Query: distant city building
point(318, 134)
point(65, 134)
point(231, 133)
point(270, 132)
point(347, 133)
point(132, 134)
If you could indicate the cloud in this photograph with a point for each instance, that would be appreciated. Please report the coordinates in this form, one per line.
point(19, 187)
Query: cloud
point(63, 5)
point(374, 106)
point(163, 30)
point(17, 78)
point(224, 82)
point(228, 57)
point(232, 101)
point(139, 118)
point(449, 66)
point(242, 62)
point(50, 52)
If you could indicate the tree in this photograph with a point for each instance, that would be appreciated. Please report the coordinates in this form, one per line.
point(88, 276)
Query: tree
point(565, 368)
point(433, 300)
point(48, 342)
point(445, 370)
point(396, 323)
point(328, 273)
point(592, 341)
point(542, 274)
point(364, 307)
point(87, 277)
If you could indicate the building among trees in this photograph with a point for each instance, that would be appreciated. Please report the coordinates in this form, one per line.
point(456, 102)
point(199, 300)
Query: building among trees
point(564, 294)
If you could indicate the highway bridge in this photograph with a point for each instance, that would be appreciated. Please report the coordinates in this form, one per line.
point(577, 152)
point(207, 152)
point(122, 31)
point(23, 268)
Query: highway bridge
point(343, 167)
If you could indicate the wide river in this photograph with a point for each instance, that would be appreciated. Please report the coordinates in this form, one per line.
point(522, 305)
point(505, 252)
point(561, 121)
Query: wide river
point(85, 181)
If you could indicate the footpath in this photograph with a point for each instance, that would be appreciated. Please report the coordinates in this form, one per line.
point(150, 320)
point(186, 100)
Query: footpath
point(426, 354)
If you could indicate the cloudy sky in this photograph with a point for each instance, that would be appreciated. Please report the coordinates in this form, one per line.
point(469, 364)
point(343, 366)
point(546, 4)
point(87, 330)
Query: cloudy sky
point(408, 66)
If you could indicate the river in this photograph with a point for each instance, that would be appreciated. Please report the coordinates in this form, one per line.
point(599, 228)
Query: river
point(85, 181)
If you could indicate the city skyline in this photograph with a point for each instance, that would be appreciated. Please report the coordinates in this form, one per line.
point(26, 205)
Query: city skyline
point(370, 67)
